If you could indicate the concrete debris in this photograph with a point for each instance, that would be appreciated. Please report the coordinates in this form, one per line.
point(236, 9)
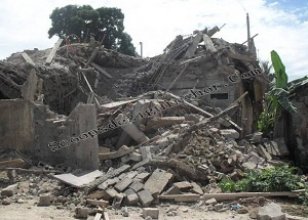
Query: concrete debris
point(152, 212)
point(271, 211)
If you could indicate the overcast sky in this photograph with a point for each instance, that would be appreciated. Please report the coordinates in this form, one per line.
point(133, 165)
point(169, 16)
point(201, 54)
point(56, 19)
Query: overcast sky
point(282, 25)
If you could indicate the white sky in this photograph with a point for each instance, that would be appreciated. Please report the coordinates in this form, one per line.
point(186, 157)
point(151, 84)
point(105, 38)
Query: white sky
point(24, 25)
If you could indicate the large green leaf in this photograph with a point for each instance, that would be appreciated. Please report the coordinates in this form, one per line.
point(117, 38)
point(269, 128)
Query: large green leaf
point(280, 71)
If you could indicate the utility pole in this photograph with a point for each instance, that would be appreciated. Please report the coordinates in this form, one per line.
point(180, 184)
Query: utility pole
point(251, 43)
point(141, 49)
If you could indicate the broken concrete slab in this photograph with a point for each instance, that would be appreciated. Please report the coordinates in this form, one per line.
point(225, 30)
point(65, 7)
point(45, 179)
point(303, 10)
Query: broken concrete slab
point(122, 151)
point(158, 181)
point(79, 181)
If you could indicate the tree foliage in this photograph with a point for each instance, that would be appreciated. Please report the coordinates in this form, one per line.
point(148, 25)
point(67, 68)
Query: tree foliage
point(104, 24)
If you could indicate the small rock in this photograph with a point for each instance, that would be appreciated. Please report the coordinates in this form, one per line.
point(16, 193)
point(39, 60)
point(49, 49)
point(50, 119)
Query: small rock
point(45, 200)
point(125, 212)
point(242, 210)
point(6, 201)
point(271, 211)
point(211, 201)
point(9, 191)
point(152, 212)
point(81, 212)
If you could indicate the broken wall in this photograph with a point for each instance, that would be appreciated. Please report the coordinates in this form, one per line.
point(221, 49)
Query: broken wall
point(16, 124)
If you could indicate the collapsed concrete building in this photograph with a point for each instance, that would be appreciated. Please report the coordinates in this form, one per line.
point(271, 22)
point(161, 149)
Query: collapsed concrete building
point(146, 125)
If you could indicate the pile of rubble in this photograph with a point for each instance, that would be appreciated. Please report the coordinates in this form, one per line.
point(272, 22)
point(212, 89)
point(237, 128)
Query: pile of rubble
point(155, 146)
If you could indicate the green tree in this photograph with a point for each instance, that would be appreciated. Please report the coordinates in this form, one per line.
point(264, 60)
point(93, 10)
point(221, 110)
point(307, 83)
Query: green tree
point(105, 24)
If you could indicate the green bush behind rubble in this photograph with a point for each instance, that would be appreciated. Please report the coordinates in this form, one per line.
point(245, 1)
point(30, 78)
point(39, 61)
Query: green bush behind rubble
point(271, 179)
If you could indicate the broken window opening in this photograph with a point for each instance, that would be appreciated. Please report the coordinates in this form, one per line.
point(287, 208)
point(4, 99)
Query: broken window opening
point(220, 96)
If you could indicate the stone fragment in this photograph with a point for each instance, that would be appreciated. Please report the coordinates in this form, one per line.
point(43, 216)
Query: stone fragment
point(172, 190)
point(196, 188)
point(184, 185)
point(97, 194)
point(111, 192)
point(136, 186)
point(249, 165)
point(108, 183)
point(145, 197)
point(9, 190)
point(123, 184)
point(45, 200)
point(230, 133)
point(82, 212)
point(100, 203)
point(142, 176)
point(158, 181)
point(152, 212)
point(131, 197)
point(271, 211)
point(211, 201)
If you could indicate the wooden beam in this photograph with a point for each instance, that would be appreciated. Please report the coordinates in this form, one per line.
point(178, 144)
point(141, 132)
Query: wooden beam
point(53, 51)
point(101, 70)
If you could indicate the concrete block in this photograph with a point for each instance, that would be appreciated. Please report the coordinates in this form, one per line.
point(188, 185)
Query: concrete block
point(123, 184)
point(45, 200)
point(152, 212)
point(136, 186)
point(145, 197)
point(131, 197)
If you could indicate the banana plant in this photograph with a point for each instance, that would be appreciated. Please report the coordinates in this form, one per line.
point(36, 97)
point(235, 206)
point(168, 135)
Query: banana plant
point(277, 97)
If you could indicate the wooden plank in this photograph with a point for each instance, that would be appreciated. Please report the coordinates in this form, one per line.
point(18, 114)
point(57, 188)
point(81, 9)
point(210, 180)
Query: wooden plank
point(53, 52)
point(101, 70)
point(209, 43)
point(27, 58)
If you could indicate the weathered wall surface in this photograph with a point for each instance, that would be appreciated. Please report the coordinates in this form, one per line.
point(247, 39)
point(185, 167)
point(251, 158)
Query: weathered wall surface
point(16, 124)
point(297, 128)
point(83, 154)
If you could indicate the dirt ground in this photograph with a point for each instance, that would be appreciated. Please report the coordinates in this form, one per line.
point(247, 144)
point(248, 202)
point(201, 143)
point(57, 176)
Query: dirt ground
point(32, 212)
